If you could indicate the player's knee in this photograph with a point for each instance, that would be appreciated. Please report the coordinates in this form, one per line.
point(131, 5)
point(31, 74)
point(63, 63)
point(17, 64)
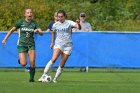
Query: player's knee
point(23, 63)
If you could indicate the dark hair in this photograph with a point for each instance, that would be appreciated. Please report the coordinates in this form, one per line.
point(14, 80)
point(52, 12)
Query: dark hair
point(63, 12)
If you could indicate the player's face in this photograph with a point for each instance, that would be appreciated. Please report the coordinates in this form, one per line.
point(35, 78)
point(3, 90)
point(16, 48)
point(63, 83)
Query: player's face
point(28, 14)
point(61, 17)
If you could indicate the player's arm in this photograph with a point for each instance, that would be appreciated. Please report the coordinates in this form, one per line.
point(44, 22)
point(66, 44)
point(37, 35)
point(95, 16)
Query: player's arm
point(8, 34)
point(53, 38)
point(39, 31)
point(49, 27)
point(77, 25)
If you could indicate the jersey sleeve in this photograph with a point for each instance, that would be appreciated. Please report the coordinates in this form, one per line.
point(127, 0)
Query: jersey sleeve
point(50, 25)
point(18, 24)
point(53, 27)
point(36, 25)
point(72, 23)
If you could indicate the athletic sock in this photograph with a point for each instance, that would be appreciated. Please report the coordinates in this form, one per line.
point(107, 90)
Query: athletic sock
point(58, 72)
point(48, 66)
point(32, 74)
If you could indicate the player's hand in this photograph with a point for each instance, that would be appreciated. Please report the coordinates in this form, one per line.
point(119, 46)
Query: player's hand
point(36, 30)
point(78, 21)
point(39, 31)
point(51, 46)
point(4, 42)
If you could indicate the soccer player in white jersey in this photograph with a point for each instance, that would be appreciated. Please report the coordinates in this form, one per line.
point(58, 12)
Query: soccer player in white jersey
point(63, 43)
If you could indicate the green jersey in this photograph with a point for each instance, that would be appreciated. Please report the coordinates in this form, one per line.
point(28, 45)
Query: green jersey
point(26, 32)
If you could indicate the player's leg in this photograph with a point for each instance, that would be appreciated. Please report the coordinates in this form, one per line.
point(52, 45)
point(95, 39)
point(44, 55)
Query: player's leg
point(32, 55)
point(22, 58)
point(63, 60)
point(22, 50)
point(56, 54)
point(66, 53)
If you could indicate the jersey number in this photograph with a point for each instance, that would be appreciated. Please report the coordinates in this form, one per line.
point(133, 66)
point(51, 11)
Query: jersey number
point(27, 34)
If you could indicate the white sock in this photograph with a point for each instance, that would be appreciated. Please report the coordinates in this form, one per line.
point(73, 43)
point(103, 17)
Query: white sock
point(48, 66)
point(58, 73)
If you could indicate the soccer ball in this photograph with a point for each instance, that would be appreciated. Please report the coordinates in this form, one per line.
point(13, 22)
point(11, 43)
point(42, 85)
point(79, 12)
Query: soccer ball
point(47, 78)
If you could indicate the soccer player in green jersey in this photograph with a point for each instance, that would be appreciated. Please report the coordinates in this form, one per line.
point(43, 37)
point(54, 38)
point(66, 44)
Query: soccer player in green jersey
point(26, 44)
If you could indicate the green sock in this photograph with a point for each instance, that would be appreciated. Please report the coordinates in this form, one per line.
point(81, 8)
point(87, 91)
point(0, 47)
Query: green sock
point(32, 74)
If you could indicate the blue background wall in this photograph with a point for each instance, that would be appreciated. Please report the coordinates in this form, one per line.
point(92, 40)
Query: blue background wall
point(93, 49)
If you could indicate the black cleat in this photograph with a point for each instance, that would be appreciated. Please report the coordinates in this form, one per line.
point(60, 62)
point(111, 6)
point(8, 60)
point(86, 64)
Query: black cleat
point(19, 61)
point(31, 80)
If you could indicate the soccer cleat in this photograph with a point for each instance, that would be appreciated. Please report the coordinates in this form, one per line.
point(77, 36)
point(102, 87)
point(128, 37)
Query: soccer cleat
point(31, 80)
point(19, 61)
point(41, 78)
point(54, 80)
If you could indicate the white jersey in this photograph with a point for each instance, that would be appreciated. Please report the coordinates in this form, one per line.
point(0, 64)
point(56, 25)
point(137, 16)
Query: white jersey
point(64, 34)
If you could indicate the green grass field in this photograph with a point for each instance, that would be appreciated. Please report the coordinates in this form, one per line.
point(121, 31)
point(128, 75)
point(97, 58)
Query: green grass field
point(72, 82)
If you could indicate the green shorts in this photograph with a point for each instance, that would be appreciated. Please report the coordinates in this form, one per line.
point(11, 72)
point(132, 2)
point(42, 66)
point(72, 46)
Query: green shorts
point(25, 49)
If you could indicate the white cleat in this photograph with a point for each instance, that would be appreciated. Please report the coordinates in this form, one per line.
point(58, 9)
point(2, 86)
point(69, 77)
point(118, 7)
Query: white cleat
point(54, 80)
point(41, 78)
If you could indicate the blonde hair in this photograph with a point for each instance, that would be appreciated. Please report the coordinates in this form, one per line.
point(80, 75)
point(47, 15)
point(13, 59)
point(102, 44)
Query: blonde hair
point(55, 14)
point(27, 9)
